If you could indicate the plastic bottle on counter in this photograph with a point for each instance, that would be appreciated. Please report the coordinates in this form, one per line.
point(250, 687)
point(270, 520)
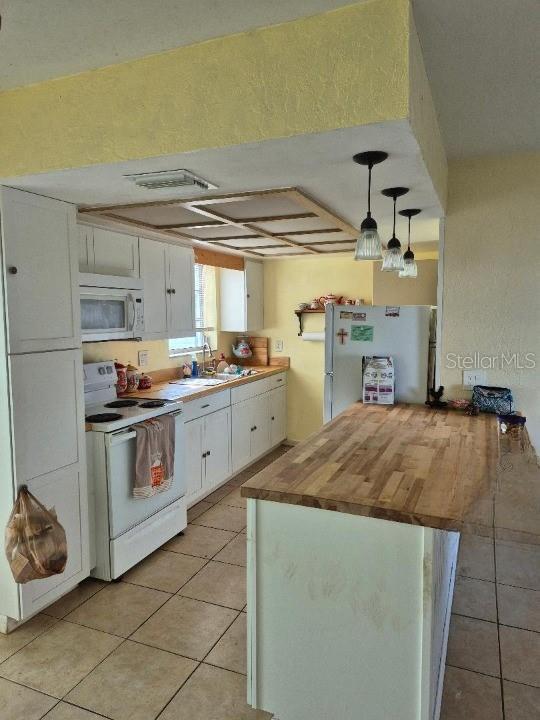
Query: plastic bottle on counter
point(223, 365)
point(194, 366)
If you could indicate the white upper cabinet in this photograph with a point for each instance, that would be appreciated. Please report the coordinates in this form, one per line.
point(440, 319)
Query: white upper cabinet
point(181, 316)
point(154, 274)
point(167, 274)
point(39, 247)
point(241, 293)
point(108, 252)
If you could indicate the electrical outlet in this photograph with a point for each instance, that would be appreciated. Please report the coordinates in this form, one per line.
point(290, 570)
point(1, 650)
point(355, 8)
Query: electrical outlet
point(474, 377)
point(143, 358)
point(278, 346)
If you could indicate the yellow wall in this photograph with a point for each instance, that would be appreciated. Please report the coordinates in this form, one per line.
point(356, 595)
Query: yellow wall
point(287, 283)
point(491, 297)
point(343, 68)
point(389, 289)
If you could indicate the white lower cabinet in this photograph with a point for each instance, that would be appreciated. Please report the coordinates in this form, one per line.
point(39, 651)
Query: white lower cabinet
point(65, 491)
point(277, 401)
point(208, 452)
point(258, 424)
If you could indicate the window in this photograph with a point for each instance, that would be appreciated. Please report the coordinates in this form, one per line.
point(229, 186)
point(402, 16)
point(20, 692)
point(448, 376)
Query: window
point(205, 313)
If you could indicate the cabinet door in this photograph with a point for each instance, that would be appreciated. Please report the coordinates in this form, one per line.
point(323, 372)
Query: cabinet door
point(85, 235)
point(116, 253)
point(277, 403)
point(254, 288)
point(153, 266)
point(47, 411)
point(41, 257)
point(181, 319)
point(65, 491)
point(194, 460)
point(216, 445)
point(232, 290)
point(242, 424)
point(260, 435)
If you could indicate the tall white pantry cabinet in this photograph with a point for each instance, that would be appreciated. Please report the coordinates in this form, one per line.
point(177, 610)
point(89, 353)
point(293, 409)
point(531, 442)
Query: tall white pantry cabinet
point(41, 389)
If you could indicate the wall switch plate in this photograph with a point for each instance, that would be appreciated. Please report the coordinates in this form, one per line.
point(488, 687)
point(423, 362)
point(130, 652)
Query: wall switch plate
point(143, 358)
point(278, 346)
point(474, 377)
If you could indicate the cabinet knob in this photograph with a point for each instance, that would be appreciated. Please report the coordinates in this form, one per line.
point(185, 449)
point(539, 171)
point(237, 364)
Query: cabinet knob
point(169, 291)
point(272, 418)
point(173, 291)
point(255, 427)
point(208, 452)
point(12, 270)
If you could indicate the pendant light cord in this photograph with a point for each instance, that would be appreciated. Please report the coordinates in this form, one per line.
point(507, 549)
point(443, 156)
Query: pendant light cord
point(394, 227)
point(409, 238)
point(369, 191)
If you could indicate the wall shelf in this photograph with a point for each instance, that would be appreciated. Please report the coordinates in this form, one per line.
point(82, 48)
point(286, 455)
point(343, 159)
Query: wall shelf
point(300, 313)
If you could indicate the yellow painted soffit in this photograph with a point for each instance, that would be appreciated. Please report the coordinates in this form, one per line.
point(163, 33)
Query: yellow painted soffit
point(343, 68)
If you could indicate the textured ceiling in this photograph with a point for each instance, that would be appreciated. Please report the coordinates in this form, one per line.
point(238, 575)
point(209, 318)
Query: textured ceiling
point(481, 55)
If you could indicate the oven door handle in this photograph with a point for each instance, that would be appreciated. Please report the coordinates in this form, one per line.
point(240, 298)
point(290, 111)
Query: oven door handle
point(118, 438)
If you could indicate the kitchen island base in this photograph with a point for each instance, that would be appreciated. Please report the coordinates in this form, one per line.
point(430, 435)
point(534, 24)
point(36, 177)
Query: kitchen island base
point(348, 615)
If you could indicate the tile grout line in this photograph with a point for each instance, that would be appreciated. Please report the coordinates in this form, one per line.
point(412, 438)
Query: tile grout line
point(497, 611)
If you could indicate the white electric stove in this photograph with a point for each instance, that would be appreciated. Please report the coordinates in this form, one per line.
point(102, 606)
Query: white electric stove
point(126, 529)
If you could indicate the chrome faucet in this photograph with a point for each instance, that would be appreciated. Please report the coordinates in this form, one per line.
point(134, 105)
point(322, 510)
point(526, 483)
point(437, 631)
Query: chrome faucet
point(206, 346)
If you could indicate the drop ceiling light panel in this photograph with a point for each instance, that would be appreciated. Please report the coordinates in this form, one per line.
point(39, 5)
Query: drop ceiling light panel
point(251, 242)
point(320, 237)
point(277, 222)
point(337, 247)
point(262, 206)
point(286, 250)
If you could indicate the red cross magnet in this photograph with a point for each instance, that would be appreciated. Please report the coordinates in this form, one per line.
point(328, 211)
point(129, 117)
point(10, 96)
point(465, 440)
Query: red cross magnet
point(342, 334)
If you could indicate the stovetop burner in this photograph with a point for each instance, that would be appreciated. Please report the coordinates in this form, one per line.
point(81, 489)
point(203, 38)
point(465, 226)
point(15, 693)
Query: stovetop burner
point(152, 404)
point(121, 403)
point(103, 417)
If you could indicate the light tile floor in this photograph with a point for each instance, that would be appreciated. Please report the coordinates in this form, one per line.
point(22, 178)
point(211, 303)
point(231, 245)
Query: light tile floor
point(169, 640)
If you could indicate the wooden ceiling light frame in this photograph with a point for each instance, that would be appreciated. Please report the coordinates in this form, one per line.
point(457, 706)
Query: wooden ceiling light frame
point(251, 228)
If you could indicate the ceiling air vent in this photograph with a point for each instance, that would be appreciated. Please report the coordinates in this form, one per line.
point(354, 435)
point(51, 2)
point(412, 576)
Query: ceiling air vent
point(170, 179)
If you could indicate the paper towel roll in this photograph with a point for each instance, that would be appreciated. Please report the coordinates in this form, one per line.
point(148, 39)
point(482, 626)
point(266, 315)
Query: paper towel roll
point(313, 336)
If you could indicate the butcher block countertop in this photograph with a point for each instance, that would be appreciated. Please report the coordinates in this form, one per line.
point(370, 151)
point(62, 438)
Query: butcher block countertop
point(405, 463)
point(173, 391)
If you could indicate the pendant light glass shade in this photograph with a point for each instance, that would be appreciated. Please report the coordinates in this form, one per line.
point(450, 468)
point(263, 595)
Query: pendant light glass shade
point(393, 257)
point(409, 268)
point(368, 245)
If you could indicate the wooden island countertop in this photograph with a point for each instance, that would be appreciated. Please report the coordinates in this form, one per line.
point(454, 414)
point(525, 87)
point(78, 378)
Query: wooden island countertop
point(406, 463)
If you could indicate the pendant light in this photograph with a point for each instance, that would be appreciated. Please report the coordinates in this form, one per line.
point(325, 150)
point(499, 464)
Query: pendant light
point(409, 269)
point(368, 245)
point(393, 258)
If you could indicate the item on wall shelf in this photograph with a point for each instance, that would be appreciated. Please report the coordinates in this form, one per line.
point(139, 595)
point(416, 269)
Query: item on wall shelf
point(35, 542)
point(314, 304)
point(121, 375)
point(132, 375)
point(330, 299)
point(393, 257)
point(303, 306)
point(409, 268)
point(368, 245)
point(145, 382)
point(436, 396)
point(492, 399)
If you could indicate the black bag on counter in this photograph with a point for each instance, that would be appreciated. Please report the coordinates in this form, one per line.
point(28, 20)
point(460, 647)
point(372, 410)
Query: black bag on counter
point(492, 399)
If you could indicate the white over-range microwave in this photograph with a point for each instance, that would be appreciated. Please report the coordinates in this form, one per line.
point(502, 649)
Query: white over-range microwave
point(112, 308)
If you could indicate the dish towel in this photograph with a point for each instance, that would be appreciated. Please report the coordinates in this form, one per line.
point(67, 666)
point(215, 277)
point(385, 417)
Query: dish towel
point(154, 460)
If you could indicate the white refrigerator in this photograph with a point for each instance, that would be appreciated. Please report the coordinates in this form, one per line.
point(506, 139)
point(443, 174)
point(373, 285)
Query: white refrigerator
point(355, 331)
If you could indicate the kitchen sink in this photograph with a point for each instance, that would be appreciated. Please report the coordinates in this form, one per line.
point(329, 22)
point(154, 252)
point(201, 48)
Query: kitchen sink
point(211, 380)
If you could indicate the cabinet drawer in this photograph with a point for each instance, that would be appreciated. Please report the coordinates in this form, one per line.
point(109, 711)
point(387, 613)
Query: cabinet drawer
point(277, 381)
point(249, 390)
point(202, 406)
